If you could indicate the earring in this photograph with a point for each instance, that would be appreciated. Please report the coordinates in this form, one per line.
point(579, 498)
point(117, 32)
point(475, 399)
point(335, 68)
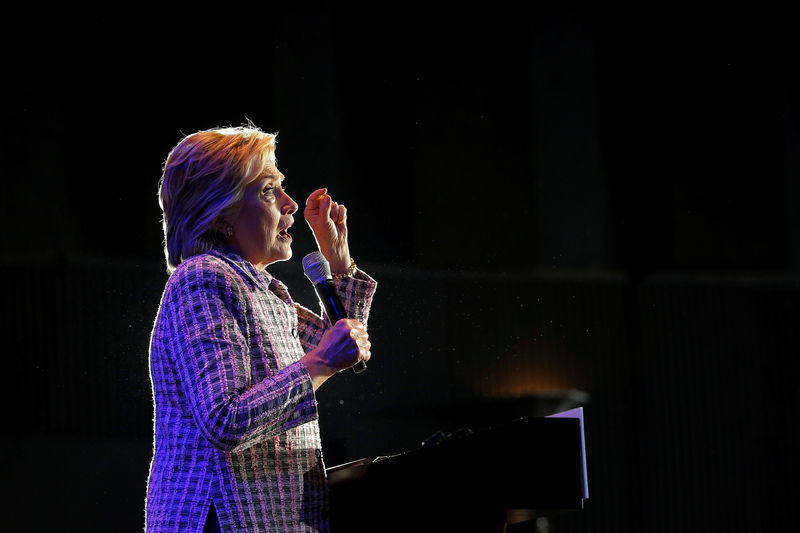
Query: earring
point(229, 231)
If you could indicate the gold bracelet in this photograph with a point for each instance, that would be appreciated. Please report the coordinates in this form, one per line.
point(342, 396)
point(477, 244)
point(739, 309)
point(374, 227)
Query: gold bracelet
point(350, 271)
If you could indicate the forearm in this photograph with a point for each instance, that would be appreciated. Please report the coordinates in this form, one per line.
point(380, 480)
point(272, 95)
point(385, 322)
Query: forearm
point(274, 405)
point(356, 294)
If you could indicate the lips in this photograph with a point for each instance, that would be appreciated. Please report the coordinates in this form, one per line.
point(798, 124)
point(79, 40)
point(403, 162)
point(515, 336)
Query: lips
point(283, 231)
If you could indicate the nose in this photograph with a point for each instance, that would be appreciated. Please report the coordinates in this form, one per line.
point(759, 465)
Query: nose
point(288, 206)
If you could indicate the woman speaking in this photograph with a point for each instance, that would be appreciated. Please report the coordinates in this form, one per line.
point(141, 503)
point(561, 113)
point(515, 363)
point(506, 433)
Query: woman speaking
point(234, 362)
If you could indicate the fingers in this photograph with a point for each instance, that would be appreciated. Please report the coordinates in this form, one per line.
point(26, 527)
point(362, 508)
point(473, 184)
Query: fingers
point(359, 337)
point(317, 206)
point(325, 207)
point(315, 197)
point(338, 214)
point(320, 203)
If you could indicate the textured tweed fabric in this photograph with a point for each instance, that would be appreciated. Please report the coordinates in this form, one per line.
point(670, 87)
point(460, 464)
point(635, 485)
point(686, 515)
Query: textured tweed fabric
point(235, 412)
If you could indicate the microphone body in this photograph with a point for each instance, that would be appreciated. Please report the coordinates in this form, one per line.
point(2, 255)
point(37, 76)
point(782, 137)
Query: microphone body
point(318, 270)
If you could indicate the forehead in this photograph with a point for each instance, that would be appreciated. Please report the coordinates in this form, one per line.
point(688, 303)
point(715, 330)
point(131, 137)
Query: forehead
point(271, 174)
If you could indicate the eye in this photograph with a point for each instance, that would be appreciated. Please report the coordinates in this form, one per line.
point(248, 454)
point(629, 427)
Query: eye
point(268, 191)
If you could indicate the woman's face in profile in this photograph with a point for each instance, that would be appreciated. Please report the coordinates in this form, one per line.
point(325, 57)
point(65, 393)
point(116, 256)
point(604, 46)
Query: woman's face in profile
point(260, 230)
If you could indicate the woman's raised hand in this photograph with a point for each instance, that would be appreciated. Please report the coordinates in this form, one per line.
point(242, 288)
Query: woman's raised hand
point(328, 221)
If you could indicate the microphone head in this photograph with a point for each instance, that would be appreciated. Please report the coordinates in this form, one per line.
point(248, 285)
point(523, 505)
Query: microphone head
point(316, 268)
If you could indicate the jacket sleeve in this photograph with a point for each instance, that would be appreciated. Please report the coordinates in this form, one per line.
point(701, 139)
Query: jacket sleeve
point(212, 357)
point(356, 294)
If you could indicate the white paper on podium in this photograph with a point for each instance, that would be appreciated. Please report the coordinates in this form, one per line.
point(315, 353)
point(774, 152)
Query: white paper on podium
point(578, 413)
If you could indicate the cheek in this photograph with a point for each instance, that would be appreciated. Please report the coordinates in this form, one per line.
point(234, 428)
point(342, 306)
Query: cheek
point(269, 223)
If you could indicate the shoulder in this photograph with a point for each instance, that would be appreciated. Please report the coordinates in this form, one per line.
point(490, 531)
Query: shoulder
point(204, 272)
point(196, 283)
point(201, 266)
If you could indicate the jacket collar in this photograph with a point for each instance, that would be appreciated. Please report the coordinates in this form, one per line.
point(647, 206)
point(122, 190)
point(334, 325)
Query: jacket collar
point(261, 278)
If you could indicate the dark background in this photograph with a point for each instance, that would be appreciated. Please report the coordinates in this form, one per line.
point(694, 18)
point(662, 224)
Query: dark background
point(563, 206)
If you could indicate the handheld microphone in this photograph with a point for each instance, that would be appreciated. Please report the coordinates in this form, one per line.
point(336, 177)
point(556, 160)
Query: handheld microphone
point(318, 271)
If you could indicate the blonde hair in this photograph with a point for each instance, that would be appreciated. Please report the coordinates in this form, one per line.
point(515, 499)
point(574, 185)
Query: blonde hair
point(204, 179)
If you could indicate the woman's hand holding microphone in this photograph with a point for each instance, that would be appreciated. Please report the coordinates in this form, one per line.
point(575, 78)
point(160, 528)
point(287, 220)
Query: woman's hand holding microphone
point(342, 346)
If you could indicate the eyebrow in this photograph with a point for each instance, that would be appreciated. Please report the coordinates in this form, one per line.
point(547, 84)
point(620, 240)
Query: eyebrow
point(272, 177)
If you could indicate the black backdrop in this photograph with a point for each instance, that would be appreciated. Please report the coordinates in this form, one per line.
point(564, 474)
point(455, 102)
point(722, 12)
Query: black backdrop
point(563, 206)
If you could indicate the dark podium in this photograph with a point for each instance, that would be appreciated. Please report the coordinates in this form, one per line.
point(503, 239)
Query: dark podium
point(472, 482)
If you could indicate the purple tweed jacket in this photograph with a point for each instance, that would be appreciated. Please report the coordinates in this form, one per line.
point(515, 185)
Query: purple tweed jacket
point(235, 412)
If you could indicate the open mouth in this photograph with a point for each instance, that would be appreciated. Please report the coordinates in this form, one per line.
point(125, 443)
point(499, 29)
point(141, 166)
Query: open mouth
point(284, 233)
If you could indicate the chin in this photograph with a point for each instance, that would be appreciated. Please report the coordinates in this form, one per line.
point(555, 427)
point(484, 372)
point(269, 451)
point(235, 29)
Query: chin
point(283, 256)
